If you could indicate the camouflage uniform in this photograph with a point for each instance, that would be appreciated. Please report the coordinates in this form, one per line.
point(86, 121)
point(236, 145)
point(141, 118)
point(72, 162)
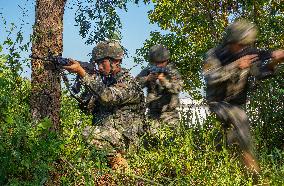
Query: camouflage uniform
point(162, 98)
point(118, 108)
point(227, 84)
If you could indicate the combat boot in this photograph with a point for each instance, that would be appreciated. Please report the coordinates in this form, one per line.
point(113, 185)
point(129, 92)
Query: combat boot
point(118, 163)
point(251, 162)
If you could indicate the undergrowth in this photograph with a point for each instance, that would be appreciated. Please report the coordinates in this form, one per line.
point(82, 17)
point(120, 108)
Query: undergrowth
point(32, 154)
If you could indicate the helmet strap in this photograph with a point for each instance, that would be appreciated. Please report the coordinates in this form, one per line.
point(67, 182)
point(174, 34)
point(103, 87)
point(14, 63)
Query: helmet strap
point(112, 61)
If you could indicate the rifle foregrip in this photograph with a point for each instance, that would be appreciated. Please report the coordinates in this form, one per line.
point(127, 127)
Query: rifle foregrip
point(62, 61)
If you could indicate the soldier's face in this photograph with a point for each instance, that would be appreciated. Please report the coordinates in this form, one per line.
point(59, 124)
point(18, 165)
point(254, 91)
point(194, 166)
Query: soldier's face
point(106, 67)
point(162, 64)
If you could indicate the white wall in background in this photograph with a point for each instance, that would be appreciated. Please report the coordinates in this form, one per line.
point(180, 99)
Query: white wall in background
point(193, 111)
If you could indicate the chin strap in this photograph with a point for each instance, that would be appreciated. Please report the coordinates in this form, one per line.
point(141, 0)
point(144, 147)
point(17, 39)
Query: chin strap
point(110, 79)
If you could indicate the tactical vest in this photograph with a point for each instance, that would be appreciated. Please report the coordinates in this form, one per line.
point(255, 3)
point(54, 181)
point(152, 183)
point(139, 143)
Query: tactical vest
point(102, 112)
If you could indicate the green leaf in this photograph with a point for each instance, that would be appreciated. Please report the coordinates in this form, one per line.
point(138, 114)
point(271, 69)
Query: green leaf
point(9, 119)
point(8, 42)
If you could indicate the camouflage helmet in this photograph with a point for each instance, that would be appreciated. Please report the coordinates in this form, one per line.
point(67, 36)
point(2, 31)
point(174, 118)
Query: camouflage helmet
point(241, 31)
point(104, 49)
point(158, 53)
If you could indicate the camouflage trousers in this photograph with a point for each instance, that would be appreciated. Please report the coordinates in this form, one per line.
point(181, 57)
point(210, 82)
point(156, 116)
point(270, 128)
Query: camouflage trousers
point(157, 126)
point(235, 123)
point(114, 134)
point(158, 121)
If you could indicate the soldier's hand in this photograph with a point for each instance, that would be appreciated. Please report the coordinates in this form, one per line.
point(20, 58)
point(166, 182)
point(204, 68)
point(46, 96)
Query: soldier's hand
point(75, 67)
point(161, 77)
point(246, 61)
point(152, 77)
point(278, 55)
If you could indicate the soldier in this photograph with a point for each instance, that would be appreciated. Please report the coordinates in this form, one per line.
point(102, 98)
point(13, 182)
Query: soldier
point(163, 84)
point(118, 110)
point(227, 69)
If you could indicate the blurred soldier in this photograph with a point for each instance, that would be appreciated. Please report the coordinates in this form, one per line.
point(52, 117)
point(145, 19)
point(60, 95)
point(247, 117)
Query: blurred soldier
point(227, 69)
point(163, 84)
point(118, 109)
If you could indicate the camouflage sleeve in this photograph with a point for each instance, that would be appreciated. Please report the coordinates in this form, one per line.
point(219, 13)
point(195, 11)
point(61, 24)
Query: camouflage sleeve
point(174, 83)
point(214, 72)
point(119, 93)
point(94, 83)
point(142, 77)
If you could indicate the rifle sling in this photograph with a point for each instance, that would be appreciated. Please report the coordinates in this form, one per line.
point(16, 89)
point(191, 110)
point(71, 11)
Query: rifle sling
point(66, 82)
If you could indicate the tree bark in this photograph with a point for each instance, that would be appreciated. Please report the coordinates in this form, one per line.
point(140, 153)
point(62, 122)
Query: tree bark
point(47, 37)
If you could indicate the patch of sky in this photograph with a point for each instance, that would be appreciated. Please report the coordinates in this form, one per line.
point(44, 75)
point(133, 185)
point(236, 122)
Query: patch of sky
point(136, 29)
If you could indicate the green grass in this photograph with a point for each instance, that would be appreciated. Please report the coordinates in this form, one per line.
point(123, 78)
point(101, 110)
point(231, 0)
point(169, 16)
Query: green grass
point(33, 155)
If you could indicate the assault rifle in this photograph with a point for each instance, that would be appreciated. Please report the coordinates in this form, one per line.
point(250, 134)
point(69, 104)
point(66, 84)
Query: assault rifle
point(159, 70)
point(227, 58)
point(57, 60)
point(263, 55)
point(60, 61)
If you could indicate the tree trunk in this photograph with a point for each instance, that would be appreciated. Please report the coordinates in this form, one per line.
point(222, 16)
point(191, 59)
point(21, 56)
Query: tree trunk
point(47, 37)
